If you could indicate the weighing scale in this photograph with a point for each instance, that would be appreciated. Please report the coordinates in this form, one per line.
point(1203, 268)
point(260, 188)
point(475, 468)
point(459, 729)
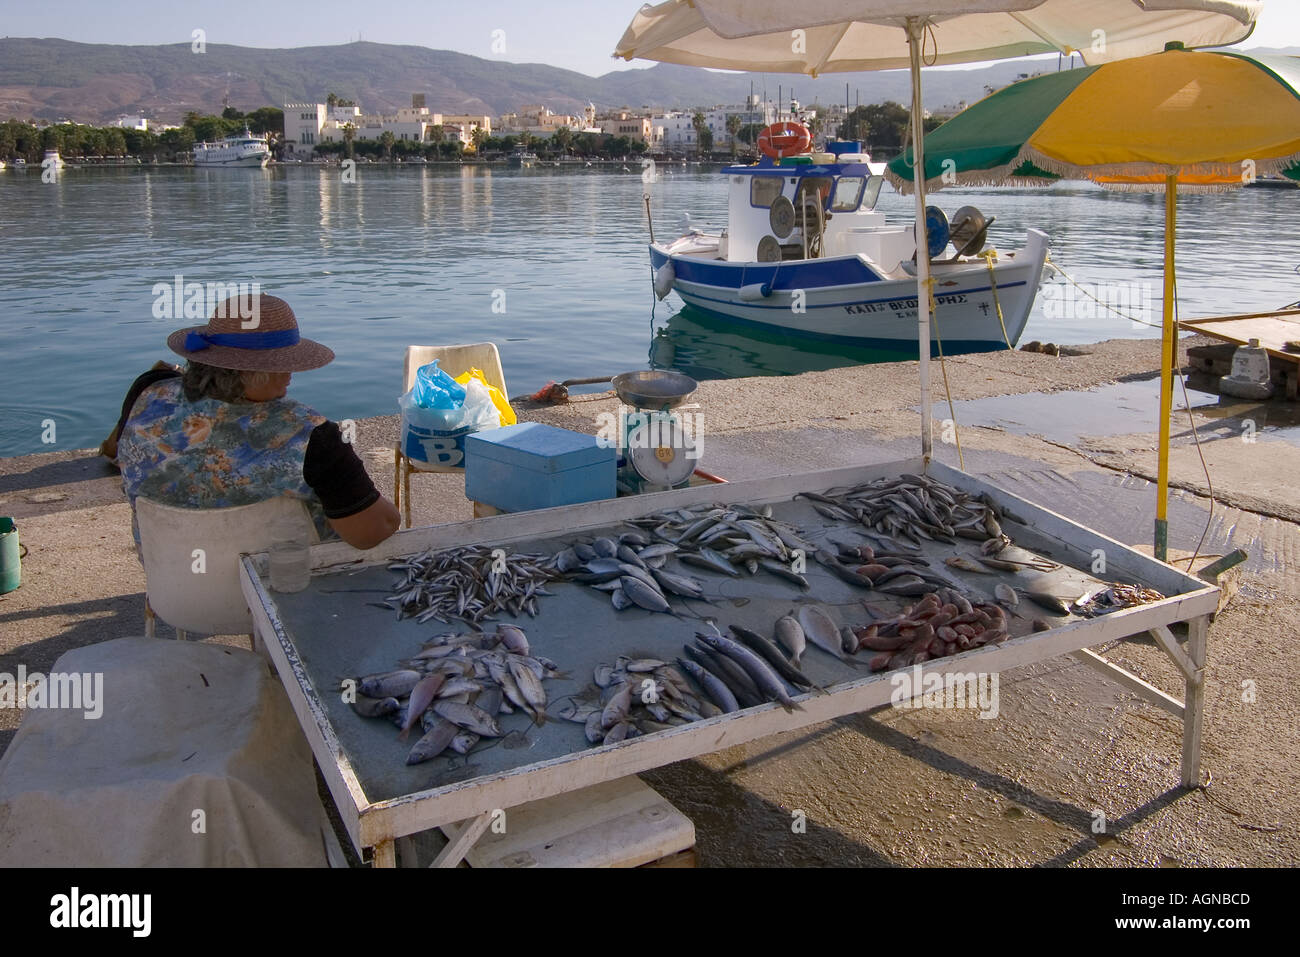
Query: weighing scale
point(655, 452)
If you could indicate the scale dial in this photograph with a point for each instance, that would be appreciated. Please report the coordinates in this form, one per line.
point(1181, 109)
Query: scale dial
point(661, 452)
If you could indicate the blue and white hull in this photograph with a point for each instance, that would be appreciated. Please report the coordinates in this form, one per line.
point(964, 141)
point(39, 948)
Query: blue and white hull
point(846, 299)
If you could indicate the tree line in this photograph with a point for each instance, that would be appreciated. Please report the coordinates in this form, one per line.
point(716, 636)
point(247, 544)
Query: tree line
point(80, 140)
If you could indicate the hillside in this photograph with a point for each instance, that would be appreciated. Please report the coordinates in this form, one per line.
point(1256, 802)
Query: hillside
point(94, 83)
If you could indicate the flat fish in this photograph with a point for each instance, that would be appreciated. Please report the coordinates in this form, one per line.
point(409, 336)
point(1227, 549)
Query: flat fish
point(389, 684)
point(1006, 594)
point(433, 743)
point(375, 707)
point(820, 630)
point(513, 637)
point(469, 717)
point(422, 696)
point(791, 635)
point(643, 595)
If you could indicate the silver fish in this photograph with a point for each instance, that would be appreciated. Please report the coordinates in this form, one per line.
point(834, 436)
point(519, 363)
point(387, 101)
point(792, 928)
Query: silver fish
point(464, 742)
point(820, 630)
point(790, 634)
point(1006, 594)
point(617, 708)
point(594, 729)
point(374, 707)
point(389, 684)
point(422, 696)
point(643, 595)
point(513, 637)
point(433, 743)
point(470, 717)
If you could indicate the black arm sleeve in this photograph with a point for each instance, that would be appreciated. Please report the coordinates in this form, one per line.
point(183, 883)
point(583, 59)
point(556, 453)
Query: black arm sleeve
point(335, 474)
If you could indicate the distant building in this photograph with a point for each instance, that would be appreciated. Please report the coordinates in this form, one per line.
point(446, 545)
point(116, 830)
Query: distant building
point(307, 125)
point(625, 123)
point(537, 120)
point(674, 131)
point(132, 121)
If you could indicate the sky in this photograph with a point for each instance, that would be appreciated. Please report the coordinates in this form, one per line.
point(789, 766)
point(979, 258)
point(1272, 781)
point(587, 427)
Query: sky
point(574, 34)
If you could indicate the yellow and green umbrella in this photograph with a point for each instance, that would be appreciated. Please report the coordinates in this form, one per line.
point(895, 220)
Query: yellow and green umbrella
point(1195, 121)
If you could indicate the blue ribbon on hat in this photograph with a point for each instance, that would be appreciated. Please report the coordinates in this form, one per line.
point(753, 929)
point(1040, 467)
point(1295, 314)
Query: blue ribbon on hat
point(198, 341)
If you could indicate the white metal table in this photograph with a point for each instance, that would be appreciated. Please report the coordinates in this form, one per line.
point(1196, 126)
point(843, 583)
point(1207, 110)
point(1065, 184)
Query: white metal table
point(331, 631)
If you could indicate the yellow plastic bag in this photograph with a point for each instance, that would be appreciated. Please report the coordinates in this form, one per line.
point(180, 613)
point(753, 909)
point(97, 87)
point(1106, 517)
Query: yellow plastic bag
point(508, 416)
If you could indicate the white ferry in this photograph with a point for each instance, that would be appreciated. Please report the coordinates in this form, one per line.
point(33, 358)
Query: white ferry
point(53, 160)
point(243, 150)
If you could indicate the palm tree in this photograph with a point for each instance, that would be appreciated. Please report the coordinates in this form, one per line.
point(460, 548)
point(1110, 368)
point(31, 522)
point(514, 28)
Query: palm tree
point(349, 134)
point(386, 140)
point(437, 132)
point(703, 135)
point(733, 127)
point(476, 138)
point(562, 138)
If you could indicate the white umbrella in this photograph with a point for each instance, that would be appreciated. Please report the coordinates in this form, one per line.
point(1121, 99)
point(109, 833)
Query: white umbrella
point(838, 36)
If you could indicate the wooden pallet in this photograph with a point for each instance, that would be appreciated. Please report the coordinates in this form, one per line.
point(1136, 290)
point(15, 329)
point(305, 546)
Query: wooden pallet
point(622, 823)
point(1273, 330)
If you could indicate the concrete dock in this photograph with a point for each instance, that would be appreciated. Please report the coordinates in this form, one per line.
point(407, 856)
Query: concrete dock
point(1075, 433)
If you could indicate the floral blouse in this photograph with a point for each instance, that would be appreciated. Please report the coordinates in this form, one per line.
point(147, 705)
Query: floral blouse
point(215, 454)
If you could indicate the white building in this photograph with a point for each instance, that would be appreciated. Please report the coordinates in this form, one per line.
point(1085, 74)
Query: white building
point(674, 131)
point(132, 121)
point(306, 125)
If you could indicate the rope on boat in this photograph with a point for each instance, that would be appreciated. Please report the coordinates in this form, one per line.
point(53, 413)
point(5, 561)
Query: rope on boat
point(988, 256)
point(1105, 305)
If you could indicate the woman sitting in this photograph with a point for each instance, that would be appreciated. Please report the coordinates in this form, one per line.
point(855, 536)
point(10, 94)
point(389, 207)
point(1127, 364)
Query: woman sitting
point(223, 434)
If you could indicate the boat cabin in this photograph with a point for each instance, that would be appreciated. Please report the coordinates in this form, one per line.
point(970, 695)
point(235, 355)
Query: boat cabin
point(796, 209)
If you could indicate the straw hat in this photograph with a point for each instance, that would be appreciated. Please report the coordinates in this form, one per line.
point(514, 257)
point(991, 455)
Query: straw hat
point(272, 345)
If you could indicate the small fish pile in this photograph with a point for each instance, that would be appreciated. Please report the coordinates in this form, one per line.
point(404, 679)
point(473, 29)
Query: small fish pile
point(891, 572)
point(630, 568)
point(639, 696)
point(1113, 597)
point(942, 623)
point(909, 508)
point(470, 583)
point(455, 688)
point(753, 670)
point(730, 538)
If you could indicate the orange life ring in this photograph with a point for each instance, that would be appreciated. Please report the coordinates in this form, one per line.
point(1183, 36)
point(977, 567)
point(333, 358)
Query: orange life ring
point(783, 139)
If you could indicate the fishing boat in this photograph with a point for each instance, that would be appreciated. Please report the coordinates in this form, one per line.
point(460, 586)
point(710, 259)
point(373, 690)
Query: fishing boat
point(521, 158)
point(806, 253)
point(234, 151)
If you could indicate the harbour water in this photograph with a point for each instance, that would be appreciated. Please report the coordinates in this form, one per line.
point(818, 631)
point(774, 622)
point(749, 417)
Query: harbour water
point(548, 263)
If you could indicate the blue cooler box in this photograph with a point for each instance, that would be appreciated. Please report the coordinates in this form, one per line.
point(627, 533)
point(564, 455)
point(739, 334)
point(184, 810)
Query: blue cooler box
point(530, 465)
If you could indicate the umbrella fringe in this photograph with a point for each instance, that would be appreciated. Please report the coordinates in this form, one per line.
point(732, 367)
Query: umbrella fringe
point(1001, 175)
point(1227, 171)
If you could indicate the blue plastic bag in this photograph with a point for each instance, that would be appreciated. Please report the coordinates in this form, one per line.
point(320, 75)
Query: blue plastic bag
point(434, 389)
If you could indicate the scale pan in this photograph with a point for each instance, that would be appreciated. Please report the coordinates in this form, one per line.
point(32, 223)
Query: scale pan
point(654, 389)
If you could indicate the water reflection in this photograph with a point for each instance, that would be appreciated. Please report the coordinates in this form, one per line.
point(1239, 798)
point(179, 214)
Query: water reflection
point(702, 347)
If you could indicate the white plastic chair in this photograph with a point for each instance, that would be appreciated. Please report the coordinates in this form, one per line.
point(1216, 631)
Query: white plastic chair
point(455, 361)
point(210, 603)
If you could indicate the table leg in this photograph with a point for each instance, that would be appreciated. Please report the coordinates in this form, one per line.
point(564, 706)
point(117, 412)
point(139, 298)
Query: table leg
point(406, 491)
point(397, 478)
point(460, 838)
point(1194, 701)
point(384, 854)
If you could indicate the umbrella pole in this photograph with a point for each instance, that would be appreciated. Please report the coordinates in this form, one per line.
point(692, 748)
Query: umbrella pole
point(915, 31)
point(1169, 342)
